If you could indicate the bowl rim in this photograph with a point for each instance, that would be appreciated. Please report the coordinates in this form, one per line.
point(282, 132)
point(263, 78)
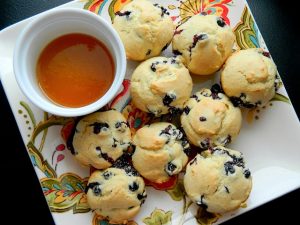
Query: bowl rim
point(46, 103)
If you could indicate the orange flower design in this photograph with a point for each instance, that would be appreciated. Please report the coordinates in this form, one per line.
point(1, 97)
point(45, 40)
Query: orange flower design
point(189, 8)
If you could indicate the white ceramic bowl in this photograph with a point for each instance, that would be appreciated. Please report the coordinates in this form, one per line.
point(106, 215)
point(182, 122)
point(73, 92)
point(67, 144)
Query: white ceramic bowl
point(45, 28)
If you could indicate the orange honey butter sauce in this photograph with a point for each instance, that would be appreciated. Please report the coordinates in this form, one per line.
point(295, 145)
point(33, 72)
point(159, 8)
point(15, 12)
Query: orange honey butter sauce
point(75, 70)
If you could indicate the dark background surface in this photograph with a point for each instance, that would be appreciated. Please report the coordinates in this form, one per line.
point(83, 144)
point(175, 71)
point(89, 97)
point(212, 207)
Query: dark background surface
point(278, 22)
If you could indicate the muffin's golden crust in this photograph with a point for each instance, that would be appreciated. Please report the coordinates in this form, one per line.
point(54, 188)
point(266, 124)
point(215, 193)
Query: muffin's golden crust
point(248, 77)
point(145, 29)
point(101, 138)
point(210, 119)
point(160, 85)
point(205, 42)
point(115, 195)
point(160, 151)
point(218, 180)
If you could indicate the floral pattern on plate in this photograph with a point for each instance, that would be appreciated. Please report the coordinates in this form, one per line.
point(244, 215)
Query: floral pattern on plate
point(63, 181)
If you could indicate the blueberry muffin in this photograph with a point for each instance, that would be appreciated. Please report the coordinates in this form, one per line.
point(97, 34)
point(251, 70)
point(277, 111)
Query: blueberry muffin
point(249, 78)
point(210, 119)
point(115, 194)
point(161, 151)
point(101, 138)
point(146, 29)
point(218, 180)
point(205, 42)
point(160, 85)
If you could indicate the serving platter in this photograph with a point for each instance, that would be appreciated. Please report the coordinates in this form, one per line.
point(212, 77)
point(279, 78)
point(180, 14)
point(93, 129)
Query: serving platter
point(271, 155)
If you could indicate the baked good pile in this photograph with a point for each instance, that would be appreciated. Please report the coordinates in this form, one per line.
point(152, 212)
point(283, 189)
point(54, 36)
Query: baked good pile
point(215, 177)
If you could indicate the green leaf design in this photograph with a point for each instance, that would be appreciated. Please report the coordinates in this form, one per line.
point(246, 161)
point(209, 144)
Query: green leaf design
point(206, 218)
point(30, 113)
point(111, 10)
point(281, 98)
point(52, 121)
point(37, 160)
point(246, 31)
point(177, 193)
point(159, 217)
point(114, 6)
point(98, 220)
point(66, 193)
point(35, 152)
point(45, 132)
point(88, 4)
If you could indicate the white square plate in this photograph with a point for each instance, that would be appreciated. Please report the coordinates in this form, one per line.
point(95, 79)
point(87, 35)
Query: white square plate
point(273, 157)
